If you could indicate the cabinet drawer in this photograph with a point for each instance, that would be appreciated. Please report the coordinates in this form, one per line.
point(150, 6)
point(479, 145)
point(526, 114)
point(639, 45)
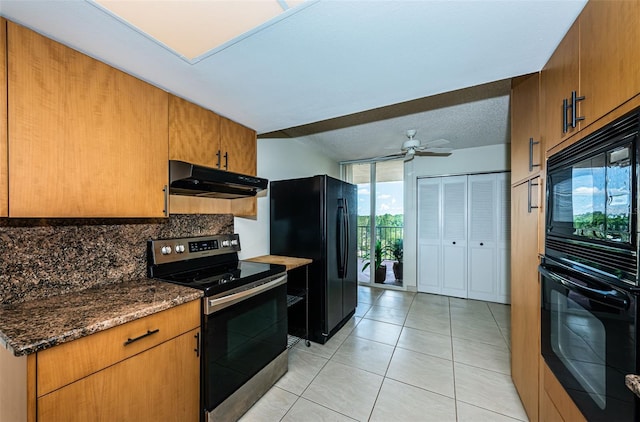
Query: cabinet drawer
point(72, 361)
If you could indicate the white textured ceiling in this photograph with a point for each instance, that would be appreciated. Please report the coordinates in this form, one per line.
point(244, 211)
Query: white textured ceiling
point(331, 58)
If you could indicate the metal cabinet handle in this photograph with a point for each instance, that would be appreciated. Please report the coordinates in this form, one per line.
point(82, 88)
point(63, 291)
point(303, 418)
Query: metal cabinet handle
point(147, 334)
point(165, 190)
point(565, 120)
point(197, 349)
point(529, 206)
point(531, 144)
point(218, 155)
point(574, 100)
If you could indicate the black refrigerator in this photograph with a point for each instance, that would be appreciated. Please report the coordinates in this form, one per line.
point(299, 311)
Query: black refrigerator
point(316, 217)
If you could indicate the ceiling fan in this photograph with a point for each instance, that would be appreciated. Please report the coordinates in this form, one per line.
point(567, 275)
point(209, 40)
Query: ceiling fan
point(412, 147)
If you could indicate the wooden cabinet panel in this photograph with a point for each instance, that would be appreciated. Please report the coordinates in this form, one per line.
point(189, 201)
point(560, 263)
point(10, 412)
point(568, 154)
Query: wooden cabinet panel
point(525, 294)
point(159, 384)
point(548, 410)
point(609, 46)
point(563, 404)
point(97, 351)
point(86, 140)
point(194, 133)
point(4, 177)
point(239, 143)
point(559, 77)
point(526, 148)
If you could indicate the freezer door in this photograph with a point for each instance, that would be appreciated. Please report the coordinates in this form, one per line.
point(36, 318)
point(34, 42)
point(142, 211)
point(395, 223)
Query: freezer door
point(335, 214)
point(350, 280)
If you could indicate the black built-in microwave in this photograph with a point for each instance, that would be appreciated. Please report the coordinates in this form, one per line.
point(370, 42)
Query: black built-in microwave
point(592, 201)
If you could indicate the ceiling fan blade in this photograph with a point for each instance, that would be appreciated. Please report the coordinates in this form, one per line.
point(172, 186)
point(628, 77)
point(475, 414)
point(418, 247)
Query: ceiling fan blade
point(435, 151)
point(435, 143)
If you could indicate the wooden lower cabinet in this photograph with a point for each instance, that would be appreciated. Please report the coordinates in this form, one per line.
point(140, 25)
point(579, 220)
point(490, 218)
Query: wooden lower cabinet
point(107, 377)
point(525, 296)
point(159, 384)
point(553, 394)
point(548, 411)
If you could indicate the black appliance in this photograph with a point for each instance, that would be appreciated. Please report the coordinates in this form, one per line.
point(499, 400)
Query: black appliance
point(589, 274)
point(193, 180)
point(316, 217)
point(244, 318)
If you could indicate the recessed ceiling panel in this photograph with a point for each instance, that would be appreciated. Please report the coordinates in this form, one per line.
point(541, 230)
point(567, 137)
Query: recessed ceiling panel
point(193, 27)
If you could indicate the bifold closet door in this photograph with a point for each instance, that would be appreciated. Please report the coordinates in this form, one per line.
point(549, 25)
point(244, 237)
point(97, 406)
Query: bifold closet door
point(489, 233)
point(442, 235)
point(429, 235)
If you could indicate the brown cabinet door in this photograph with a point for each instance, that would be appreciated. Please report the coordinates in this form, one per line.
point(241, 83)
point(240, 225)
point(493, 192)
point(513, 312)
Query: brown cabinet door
point(525, 293)
point(194, 133)
point(239, 144)
point(609, 49)
point(559, 77)
point(85, 139)
point(4, 178)
point(159, 384)
point(526, 148)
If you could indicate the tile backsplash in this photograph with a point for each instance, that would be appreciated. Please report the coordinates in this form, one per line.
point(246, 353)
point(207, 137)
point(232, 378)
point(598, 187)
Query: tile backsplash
point(42, 258)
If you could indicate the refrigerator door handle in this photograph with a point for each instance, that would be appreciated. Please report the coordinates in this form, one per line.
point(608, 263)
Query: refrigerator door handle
point(347, 240)
point(340, 238)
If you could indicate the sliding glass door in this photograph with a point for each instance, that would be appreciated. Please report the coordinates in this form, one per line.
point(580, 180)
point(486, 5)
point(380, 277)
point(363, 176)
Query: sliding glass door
point(380, 220)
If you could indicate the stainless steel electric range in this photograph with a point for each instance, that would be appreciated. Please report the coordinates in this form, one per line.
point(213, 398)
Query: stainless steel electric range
point(244, 318)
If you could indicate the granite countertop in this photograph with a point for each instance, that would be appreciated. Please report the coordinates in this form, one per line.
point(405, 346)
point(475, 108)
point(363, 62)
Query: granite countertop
point(287, 261)
point(633, 382)
point(31, 326)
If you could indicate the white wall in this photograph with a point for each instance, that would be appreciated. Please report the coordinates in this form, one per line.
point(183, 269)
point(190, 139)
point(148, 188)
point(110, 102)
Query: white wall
point(279, 159)
point(464, 161)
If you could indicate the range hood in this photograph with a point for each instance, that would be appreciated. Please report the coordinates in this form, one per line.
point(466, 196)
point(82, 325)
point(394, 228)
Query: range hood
point(193, 180)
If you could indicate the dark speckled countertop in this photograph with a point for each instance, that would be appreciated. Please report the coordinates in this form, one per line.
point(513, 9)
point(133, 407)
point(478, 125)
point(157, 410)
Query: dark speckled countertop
point(35, 325)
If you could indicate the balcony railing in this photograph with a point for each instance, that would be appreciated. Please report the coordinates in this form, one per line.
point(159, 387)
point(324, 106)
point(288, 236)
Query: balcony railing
point(386, 234)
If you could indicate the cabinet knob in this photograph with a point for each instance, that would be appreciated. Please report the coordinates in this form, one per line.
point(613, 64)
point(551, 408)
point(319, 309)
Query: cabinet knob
point(481, 244)
point(454, 243)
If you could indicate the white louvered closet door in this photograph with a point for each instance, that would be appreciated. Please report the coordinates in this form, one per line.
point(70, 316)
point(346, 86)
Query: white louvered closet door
point(489, 232)
point(454, 236)
point(429, 236)
point(483, 210)
point(504, 237)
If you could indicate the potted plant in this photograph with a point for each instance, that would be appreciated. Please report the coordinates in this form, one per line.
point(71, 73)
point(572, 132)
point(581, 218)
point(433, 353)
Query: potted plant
point(381, 270)
point(397, 251)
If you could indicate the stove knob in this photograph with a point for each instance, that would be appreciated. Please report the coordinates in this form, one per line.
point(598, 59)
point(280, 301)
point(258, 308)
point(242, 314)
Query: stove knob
point(234, 242)
point(179, 248)
point(166, 250)
point(225, 243)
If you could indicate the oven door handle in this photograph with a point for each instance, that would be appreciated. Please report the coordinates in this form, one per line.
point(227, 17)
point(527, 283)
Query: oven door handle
point(594, 290)
point(214, 305)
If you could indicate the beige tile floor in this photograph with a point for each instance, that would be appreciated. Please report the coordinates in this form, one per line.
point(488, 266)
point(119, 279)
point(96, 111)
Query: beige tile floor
point(402, 357)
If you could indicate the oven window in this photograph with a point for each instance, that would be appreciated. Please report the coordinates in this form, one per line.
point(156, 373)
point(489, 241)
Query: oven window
point(588, 334)
point(579, 340)
point(241, 340)
point(592, 198)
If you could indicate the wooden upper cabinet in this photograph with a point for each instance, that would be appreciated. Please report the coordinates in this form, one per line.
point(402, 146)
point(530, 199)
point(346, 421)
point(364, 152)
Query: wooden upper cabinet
point(85, 139)
point(194, 133)
point(199, 136)
point(558, 79)
point(4, 178)
point(526, 148)
point(239, 143)
point(609, 48)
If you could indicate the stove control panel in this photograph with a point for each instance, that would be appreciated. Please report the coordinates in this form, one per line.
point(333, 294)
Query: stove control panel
point(163, 251)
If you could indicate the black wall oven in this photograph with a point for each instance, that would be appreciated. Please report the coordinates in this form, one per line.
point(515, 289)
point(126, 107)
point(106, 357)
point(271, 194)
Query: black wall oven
point(589, 274)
